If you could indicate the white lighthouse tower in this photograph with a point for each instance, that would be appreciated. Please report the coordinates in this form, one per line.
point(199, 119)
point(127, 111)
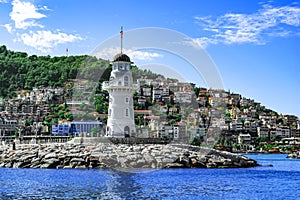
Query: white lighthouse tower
point(120, 122)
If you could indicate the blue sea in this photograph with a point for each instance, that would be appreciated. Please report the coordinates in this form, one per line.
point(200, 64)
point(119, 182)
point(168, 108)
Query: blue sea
point(279, 181)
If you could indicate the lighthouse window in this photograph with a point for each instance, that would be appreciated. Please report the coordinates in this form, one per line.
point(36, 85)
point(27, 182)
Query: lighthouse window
point(121, 67)
point(127, 66)
point(126, 112)
point(115, 66)
point(126, 100)
point(126, 80)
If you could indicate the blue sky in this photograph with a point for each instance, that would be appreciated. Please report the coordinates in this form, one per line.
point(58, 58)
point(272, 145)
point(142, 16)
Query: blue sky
point(255, 45)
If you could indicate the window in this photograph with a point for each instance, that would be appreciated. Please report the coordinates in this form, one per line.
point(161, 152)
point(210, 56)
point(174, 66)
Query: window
point(115, 66)
point(127, 67)
point(126, 99)
point(126, 80)
point(126, 112)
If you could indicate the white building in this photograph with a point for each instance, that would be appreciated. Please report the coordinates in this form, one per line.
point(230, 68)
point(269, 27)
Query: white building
point(263, 131)
point(244, 138)
point(184, 97)
point(120, 122)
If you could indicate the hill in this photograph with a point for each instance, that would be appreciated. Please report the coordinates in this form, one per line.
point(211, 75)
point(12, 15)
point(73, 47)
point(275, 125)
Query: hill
point(19, 71)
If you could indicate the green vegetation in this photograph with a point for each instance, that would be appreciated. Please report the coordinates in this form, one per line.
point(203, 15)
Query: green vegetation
point(20, 71)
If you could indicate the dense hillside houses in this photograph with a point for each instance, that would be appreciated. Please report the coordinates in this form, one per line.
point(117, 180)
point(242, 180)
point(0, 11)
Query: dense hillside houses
point(164, 108)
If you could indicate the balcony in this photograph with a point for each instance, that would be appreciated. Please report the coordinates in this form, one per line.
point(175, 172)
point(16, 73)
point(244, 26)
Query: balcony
point(118, 85)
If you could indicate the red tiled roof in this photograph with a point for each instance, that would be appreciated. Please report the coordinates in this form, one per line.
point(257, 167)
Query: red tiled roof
point(146, 112)
point(152, 117)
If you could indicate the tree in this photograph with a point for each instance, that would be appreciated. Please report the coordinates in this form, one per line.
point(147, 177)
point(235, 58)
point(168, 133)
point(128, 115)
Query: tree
point(95, 130)
point(264, 139)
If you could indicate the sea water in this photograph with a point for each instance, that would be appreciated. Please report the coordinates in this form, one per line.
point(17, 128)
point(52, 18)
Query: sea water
point(277, 178)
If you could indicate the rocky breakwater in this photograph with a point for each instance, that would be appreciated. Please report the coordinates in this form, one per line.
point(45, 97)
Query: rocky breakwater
point(120, 156)
point(294, 155)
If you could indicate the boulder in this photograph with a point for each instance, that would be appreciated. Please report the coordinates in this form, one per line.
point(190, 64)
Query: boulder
point(50, 155)
point(78, 160)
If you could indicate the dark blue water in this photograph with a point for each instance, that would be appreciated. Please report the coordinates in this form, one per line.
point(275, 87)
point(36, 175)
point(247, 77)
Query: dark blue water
point(282, 181)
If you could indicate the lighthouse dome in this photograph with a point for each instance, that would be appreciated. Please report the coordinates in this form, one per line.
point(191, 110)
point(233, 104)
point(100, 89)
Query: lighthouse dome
point(121, 57)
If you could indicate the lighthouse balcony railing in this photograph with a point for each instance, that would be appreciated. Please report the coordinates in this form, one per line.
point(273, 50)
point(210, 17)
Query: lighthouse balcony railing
point(115, 84)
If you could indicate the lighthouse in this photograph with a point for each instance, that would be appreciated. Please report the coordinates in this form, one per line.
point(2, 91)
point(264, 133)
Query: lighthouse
point(120, 122)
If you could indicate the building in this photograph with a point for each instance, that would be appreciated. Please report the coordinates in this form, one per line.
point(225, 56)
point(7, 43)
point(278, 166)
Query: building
point(263, 131)
point(295, 132)
point(157, 94)
point(244, 138)
point(165, 131)
point(120, 122)
point(84, 128)
point(8, 126)
point(60, 129)
point(184, 97)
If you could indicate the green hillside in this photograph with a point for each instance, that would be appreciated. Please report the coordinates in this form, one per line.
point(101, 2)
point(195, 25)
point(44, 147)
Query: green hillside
point(18, 70)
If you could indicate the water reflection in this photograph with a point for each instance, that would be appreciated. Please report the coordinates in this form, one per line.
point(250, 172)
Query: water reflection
point(123, 184)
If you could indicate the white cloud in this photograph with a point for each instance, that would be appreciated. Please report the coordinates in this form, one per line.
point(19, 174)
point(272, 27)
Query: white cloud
point(250, 28)
point(109, 53)
point(24, 14)
point(8, 27)
point(144, 55)
point(201, 43)
point(44, 8)
point(3, 1)
point(44, 41)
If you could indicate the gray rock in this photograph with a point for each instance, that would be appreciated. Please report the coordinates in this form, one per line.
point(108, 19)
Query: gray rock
point(75, 151)
point(168, 160)
point(51, 161)
point(17, 165)
point(122, 160)
point(140, 162)
point(147, 156)
point(35, 165)
point(27, 157)
point(174, 165)
point(80, 167)
point(46, 165)
point(9, 165)
point(50, 155)
point(67, 167)
point(211, 165)
point(78, 160)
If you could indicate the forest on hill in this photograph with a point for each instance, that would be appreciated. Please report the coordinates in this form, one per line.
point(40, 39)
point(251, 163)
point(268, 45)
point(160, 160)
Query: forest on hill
point(19, 71)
